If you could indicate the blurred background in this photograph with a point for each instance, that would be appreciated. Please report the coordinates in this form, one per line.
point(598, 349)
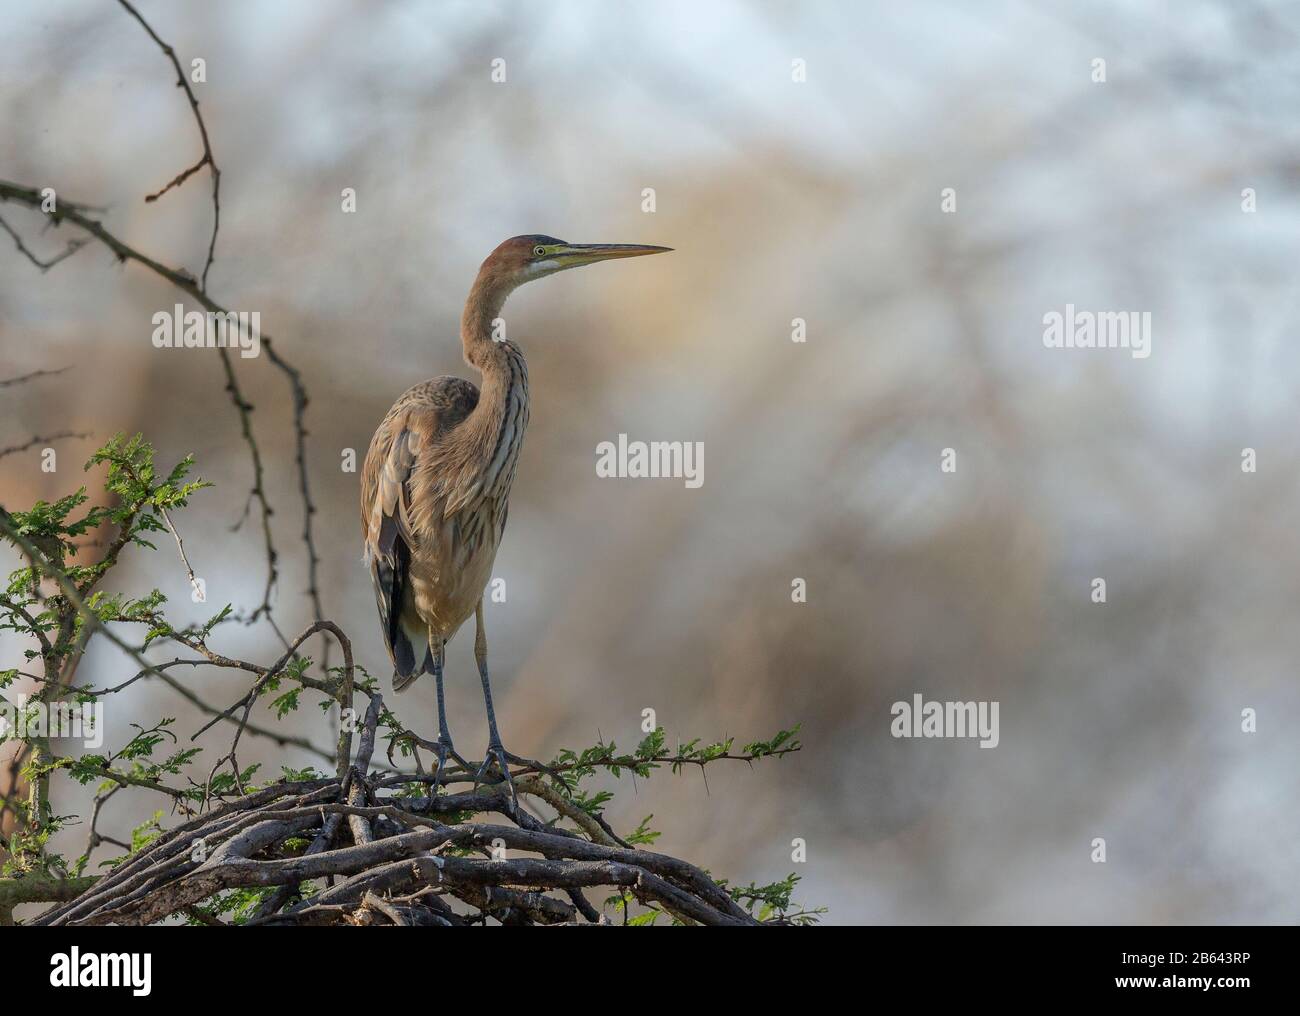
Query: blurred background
point(818, 200)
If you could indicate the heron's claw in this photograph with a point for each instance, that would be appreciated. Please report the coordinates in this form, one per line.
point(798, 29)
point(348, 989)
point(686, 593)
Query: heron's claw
point(496, 753)
point(442, 750)
point(504, 759)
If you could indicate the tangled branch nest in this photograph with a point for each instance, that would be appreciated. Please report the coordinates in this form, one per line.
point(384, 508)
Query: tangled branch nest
point(395, 858)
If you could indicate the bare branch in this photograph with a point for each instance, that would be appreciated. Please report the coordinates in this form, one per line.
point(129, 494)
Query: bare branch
point(23, 378)
point(72, 248)
point(42, 440)
point(206, 160)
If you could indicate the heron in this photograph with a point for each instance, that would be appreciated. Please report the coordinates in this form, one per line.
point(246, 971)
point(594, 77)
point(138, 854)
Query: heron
point(435, 487)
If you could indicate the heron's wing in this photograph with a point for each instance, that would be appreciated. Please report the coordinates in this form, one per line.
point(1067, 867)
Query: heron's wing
point(411, 433)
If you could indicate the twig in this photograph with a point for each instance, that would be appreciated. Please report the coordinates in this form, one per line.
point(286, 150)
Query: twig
point(72, 248)
point(206, 160)
point(258, 493)
point(22, 378)
point(42, 440)
point(180, 546)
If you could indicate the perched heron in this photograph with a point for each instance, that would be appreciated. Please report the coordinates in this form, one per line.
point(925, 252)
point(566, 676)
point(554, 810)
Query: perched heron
point(436, 483)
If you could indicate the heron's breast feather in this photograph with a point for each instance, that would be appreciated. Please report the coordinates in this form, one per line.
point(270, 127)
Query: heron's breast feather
point(448, 574)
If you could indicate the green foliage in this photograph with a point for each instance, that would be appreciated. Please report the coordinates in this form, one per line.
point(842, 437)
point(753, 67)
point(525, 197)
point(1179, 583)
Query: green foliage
point(783, 741)
point(143, 771)
point(140, 499)
point(765, 903)
point(643, 835)
point(623, 903)
point(240, 905)
point(224, 782)
point(286, 703)
point(300, 775)
point(146, 832)
point(772, 902)
point(27, 853)
point(651, 754)
point(132, 477)
point(49, 528)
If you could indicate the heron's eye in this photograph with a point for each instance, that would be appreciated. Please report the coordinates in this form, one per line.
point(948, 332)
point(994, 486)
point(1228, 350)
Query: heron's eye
point(539, 251)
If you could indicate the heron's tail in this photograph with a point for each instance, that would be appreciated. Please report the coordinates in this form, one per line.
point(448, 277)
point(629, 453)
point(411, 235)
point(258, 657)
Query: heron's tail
point(403, 681)
point(412, 655)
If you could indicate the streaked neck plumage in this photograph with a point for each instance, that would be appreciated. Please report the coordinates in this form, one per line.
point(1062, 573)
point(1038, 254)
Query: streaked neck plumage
point(501, 416)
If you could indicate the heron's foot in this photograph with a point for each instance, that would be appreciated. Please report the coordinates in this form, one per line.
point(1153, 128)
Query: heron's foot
point(497, 753)
point(442, 750)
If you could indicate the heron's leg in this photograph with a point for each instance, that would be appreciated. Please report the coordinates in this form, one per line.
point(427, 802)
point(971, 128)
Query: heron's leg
point(496, 752)
point(443, 746)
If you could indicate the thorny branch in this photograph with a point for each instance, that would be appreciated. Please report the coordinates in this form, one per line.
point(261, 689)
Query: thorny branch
point(405, 846)
point(387, 855)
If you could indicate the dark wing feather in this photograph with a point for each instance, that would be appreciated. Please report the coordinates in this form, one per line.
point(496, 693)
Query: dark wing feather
point(388, 543)
point(417, 421)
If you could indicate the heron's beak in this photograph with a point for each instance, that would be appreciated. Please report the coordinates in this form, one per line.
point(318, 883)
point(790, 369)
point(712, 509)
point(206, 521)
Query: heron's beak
point(575, 254)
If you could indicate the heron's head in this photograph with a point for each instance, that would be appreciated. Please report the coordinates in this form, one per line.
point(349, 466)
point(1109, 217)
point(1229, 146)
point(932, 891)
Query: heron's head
point(524, 258)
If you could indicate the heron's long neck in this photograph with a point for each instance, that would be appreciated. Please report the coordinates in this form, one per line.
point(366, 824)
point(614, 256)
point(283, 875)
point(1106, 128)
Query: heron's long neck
point(501, 416)
point(500, 361)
